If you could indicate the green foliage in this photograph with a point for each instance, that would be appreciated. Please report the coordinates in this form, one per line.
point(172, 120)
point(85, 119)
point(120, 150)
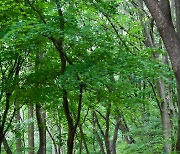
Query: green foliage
point(103, 42)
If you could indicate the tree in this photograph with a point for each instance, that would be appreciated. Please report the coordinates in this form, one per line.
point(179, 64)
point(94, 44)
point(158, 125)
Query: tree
point(162, 14)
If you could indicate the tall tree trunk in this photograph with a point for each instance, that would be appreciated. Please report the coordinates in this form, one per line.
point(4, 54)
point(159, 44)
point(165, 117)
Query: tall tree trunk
point(124, 128)
point(42, 130)
point(0, 144)
point(6, 146)
point(97, 135)
point(80, 145)
point(172, 3)
point(165, 111)
point(54, 147)
point(19, 143)
point(84, 140)
point(178, 130)
point(113, 145)
point(31, 130)
point(177, 7)
point(106, 136)
point(165, 118)
point(60, 146)
point(1, 136)
point(4, 118)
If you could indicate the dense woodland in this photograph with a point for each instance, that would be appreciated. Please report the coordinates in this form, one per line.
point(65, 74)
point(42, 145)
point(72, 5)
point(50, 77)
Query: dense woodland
point(89, 76)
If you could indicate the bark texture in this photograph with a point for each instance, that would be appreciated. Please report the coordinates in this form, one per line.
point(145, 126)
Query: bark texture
point(113, 145)
point(42, 130)
point(6, 146)
point(4, 118)
point(106, 136)
point(177, 8)
point(97, 137)
point(84, 140)
point(165, 117)
point(31, 131)
point(19, 143)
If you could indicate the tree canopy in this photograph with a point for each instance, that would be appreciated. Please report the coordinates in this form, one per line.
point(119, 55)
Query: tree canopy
point(94, 76)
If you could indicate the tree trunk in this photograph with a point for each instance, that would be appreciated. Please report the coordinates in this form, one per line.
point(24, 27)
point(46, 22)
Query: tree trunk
point(19, 143)
point(42, 130)
point(1, 137)
point(54, 147)
point(4, 118)
point(113, 145)
point(124, 128)
point(165, 118)
point(71, 132)
point(97, 135)
point(80, 145)
point(106, 137)
point(84, 140)
point(31, 131)
point(177, 7)
point(60, 146)
point(6, 146)
point(178, 130)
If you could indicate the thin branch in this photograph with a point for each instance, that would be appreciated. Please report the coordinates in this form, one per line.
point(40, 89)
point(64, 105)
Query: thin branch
point(101, 114)
point(57, 47)
point(117, 33)
point(85, 117)
point(52, 138)
point(137, 6)
point(99, 126)
point(155, 95)
point(37, 11)
point(11, 119)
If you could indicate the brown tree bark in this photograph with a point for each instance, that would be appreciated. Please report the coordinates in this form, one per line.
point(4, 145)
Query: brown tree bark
point(177, 10)
point(80, 146)
point(60, 148)
point(124, 128)
point(106, 136)
point(98, 139)
point(165, 117)
point(113, 145)
point(54, 146)
point(18, 134)
point(31, 130)
point(178, 129)
point(84, 140)
point(4, 118)
point(6, 146)
point(42, 130)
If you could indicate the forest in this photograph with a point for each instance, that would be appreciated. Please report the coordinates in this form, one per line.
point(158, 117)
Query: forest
point(89, 76)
